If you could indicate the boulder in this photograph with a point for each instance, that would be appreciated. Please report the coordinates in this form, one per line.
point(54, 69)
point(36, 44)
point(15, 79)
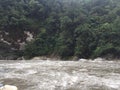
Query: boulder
point(99, 59)
point(8, 87)
point(83, 60)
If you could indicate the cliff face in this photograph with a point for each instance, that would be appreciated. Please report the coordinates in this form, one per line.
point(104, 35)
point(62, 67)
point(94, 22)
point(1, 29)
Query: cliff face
point(14, 28)
point(12, 42)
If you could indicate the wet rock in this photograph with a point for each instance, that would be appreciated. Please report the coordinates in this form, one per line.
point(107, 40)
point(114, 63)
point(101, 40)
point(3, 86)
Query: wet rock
point(39, 58)
point(99, 59)
point(83, 60)
point(9, 87)
point(1, 85)
point(75, 58)
point(21, 58)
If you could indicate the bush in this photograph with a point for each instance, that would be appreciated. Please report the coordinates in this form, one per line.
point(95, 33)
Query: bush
point(106, 50)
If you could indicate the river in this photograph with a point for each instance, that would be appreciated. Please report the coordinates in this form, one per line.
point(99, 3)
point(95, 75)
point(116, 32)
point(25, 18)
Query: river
point(61, 75)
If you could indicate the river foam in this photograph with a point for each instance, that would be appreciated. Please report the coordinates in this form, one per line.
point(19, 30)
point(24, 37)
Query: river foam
point(61, 75)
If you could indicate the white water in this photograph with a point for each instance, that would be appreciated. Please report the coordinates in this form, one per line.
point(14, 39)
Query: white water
point(61, 75)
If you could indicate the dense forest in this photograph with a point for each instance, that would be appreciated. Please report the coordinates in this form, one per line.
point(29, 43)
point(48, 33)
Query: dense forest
point(64, 28)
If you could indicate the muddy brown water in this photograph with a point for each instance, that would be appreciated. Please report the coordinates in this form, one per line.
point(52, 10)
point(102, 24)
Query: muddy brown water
point(61, 75)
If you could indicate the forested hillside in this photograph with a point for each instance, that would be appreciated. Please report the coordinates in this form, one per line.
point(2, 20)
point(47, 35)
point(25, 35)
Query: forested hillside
point(65, 28)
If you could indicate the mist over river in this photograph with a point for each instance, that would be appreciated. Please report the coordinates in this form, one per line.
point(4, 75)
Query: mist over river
point(61, 75)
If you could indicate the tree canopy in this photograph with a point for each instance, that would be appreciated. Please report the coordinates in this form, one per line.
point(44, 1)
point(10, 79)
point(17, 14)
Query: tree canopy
point(65, 28)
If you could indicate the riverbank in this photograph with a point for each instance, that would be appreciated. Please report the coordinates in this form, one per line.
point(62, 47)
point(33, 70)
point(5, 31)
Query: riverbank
point(72, 59)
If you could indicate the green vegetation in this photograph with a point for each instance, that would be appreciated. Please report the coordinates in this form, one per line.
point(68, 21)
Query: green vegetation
point(65, 28)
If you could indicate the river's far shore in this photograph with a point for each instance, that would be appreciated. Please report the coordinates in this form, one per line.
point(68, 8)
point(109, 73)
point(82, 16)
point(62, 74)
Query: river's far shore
point(72, 59)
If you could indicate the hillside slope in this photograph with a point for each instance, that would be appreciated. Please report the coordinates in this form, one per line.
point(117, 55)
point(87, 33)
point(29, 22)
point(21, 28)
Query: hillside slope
point(65, 28)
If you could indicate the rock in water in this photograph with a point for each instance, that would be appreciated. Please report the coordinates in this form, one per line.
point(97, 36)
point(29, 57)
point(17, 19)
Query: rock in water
point(8, 87)
point(1, 85)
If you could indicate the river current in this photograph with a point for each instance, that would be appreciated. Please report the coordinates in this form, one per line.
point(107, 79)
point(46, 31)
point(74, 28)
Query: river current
point(61, 75)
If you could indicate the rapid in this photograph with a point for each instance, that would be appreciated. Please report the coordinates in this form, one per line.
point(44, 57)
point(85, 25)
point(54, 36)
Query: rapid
point(61, 75)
